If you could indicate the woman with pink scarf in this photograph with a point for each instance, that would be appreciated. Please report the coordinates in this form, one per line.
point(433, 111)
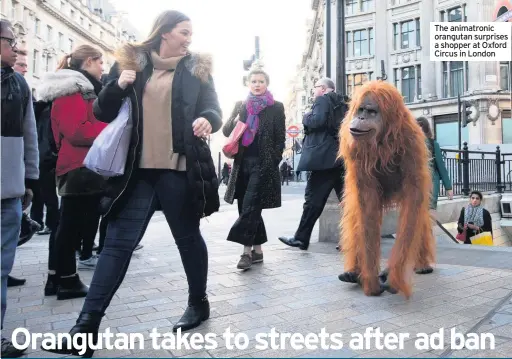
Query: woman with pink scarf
point(255, 181)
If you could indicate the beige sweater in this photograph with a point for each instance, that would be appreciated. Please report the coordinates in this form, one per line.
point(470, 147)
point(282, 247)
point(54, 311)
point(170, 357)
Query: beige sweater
point(157, 147)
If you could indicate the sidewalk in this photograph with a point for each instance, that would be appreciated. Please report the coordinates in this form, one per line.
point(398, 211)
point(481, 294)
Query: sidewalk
point(293, 291)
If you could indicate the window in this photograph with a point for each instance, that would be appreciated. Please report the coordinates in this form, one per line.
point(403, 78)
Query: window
point(408, 81)
point(446, 130)
point(418, 32)
point(13, 10)
point(360, 42)
point(72, 13)
point(455, 78)
point(355, 81)
point(455, 15)
point(406, 34)
point(350, 45)
point(101, 35)
point(62, 5)
point(61, 41)
point(505, 76)
point(35, 62)
point(81, 20)
point(371, 42)
point(37, 27)
point(506, 127)
point(455, 73)
point(49, 33)
point(366, 5)
point(90, 27)
point(396, 33)
point(351, 7)
point(48, 65)
point(71, 45)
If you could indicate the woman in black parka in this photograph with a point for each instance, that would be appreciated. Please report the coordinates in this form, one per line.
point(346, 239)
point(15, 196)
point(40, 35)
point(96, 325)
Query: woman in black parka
point(255, 180)
point(174, 107)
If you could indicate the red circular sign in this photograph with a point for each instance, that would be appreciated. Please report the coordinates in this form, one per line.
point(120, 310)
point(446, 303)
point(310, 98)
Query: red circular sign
point(293, 131)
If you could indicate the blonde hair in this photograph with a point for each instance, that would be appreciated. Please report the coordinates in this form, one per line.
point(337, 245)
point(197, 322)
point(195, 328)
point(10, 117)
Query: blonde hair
point(257, 69)
point(76, 59)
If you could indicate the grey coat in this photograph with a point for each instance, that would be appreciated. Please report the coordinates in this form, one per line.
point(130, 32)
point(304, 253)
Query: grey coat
point(272, 132)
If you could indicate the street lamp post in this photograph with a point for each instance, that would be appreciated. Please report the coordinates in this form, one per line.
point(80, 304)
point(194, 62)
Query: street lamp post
point(328, 38)
point(340, 45)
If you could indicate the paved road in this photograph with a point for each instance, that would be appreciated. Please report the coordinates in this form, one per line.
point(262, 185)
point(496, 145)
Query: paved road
point(293, 291)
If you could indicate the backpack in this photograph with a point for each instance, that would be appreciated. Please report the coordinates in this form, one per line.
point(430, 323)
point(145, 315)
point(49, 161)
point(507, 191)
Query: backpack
point(46, 142)
point(339, 108)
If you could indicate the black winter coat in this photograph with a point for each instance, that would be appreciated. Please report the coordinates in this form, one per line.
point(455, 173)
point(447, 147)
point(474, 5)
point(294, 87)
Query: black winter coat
point(193, 96)
point(272, 136)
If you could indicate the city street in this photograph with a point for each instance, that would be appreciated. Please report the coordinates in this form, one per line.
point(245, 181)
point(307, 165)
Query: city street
point(293, 291)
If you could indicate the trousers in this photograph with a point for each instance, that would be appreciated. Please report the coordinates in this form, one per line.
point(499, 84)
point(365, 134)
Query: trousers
point(152, 189)
point(11, 226)
point(319, 187)
point(249, 228)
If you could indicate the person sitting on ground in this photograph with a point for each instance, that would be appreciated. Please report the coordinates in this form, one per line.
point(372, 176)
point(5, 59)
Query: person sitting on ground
point(474, 218)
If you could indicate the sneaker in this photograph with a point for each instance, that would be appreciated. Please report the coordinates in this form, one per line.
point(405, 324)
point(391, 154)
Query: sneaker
point(257, 257)
point(44, 231)
point(87, 263)
point(9, 351)
point(245, 262)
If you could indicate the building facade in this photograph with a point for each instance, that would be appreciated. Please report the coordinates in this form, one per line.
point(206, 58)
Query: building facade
point(50, 29)
point(430, 89)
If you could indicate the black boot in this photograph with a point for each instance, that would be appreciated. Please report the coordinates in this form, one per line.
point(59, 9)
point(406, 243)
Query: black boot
point(196, 312)
point(88, 323)
point(294, 242)
point(71, 287)
point(51, 286)
point(14, 282)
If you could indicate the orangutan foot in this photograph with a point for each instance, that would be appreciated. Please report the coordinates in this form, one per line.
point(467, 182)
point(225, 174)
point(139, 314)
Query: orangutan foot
point(424, 270)
point(349, 277)
point(383, 278)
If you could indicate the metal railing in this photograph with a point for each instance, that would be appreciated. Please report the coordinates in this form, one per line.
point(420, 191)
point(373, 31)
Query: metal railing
point(477, 170)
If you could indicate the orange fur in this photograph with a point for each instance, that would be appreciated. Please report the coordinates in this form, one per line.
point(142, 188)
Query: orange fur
point(391, 170)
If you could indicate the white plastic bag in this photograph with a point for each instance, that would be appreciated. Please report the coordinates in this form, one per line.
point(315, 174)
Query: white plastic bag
point(108, 153)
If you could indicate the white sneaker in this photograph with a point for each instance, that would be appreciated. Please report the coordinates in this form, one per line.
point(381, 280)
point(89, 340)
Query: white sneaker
point(88, 263)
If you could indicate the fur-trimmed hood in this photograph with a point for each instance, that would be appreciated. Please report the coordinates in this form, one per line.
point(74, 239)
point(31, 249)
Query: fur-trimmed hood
point(131, 58)
point(61, 83)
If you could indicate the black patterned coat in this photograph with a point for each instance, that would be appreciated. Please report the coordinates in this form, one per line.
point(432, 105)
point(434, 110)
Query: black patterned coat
point(272, 132)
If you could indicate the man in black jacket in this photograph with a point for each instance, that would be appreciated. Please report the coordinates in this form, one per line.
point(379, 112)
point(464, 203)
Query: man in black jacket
point(319, 155)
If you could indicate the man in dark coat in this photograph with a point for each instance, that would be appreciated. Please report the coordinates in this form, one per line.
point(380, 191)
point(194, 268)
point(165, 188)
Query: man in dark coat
point(319, 155)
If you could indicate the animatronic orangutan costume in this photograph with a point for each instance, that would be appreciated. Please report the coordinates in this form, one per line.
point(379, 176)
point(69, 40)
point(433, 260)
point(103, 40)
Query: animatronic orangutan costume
point(387, 163)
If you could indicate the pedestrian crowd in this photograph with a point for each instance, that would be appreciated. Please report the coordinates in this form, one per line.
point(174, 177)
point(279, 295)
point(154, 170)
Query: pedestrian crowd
point(168, 96)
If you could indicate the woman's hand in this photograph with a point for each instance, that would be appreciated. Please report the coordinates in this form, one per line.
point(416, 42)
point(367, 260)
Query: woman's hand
point(449, 194)
point(473, 227)
point(127, 78)
point(202, 127)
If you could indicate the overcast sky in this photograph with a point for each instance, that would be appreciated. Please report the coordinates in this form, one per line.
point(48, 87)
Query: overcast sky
point(226, 29)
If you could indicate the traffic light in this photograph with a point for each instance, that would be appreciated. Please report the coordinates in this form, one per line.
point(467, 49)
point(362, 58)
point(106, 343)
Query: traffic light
point(466, 112)
point(248, 63)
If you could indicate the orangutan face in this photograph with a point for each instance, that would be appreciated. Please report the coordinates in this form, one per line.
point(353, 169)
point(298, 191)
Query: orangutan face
point(367, 122)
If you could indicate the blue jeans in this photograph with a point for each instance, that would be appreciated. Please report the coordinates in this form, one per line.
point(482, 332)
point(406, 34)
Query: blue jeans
point(11, 226)
point(126, 228)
